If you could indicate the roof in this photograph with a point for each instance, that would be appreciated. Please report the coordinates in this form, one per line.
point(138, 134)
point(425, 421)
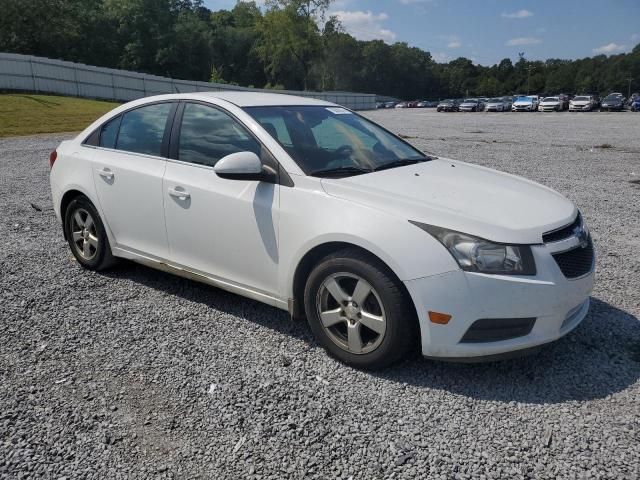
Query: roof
point(260, 99)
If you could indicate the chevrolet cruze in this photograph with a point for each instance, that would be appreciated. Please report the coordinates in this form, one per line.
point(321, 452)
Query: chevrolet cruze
point(311, 208)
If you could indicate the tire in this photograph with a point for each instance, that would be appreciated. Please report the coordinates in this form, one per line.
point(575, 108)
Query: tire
point(86, 235)
point(383, 325)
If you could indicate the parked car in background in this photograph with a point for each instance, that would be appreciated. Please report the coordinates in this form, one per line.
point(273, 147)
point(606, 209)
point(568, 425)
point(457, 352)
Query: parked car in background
point(614, 102)
point(427, 104)
point(471, 105)
point(635, 104)
point(525, 104)
point(390, 105)
point(497, 105)
point(401, 105)
point(249, 192)
point(449, 105)
point(582, 103)
point(550, 104)
point(508, 101)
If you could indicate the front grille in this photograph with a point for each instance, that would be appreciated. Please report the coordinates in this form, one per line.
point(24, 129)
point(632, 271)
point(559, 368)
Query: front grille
point(562, 233)
point(577, 262)
point(496, 329)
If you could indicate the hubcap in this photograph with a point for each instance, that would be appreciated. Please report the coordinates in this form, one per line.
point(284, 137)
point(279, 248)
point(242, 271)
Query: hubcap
point(84, 235)
point(351, 313)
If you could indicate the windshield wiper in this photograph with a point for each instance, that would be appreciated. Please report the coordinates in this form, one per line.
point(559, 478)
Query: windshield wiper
point(340, 170)
point(402, 163)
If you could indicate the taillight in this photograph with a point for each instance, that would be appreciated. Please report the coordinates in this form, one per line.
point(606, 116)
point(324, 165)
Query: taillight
point(52, 158)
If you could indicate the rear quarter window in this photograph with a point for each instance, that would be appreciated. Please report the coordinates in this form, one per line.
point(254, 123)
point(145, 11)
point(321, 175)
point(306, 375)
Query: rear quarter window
point(109, 133)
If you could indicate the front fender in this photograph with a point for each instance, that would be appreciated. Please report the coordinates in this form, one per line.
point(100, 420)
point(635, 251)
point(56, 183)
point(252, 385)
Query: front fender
point(310, 218)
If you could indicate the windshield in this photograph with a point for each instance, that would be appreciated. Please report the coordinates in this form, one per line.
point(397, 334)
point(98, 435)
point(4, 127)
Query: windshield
point(581, 99)
point(447, 101)
point(333, 138)
point(523, 99)
point(471, 100)
point(495, 100)
point(551, 99)
point(611, 98)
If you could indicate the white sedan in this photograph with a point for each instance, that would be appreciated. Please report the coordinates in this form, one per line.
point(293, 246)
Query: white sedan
point(311, 208)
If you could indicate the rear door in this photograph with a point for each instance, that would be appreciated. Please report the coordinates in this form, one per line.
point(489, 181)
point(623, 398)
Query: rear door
point(227, 229)
point(128, 167)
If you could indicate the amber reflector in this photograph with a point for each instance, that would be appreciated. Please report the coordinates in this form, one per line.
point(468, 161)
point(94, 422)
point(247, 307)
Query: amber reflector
point(437, 317)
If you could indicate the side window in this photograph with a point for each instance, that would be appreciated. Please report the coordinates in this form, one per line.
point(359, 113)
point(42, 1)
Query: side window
point(208, 134)
point(109, 133)
point(142, 129)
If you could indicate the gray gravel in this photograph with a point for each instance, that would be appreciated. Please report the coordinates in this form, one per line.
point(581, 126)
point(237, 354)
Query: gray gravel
point(137, 374)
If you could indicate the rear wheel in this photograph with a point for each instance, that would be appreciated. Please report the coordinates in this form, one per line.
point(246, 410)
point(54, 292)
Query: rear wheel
point(359, 311)
point(86, 235)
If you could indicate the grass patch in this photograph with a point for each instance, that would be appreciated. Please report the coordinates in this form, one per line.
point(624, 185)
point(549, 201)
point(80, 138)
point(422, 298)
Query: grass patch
point(23, 114)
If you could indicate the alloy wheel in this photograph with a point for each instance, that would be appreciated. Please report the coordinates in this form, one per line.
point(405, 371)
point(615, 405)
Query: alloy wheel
point(84, 234)
point(351, 313)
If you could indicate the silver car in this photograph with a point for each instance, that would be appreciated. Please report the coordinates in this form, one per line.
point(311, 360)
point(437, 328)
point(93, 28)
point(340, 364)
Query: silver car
point(471, 105)
point(498, 105)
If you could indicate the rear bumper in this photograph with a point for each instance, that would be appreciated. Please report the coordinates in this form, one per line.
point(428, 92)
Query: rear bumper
point(557, 304)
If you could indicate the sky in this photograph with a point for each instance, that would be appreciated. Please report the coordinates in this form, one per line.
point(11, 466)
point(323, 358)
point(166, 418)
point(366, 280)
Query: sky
point(487, 31)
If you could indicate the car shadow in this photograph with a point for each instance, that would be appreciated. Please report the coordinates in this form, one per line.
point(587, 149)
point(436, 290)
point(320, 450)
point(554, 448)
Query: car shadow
point(598, 359)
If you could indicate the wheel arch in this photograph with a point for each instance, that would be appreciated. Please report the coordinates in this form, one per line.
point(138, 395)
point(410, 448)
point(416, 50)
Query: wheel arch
point(311, 258)
point(75, 191)
point(66, 199)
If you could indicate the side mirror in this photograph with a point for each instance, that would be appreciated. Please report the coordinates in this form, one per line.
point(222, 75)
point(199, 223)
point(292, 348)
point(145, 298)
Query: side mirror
point(244, 166)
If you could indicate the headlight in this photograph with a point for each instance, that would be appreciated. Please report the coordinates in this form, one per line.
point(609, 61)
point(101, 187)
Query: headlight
point(475, 254)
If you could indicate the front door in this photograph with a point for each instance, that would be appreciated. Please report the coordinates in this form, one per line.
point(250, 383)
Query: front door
point(227, 229)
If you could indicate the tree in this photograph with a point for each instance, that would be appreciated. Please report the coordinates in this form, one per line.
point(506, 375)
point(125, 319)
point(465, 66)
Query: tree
point(285, 44)
point(290, 39)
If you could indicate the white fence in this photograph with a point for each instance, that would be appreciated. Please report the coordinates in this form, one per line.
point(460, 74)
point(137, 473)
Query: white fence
point(45, 75)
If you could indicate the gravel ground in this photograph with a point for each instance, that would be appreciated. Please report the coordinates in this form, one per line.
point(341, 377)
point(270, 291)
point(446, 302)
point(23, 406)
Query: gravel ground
point(137, 374)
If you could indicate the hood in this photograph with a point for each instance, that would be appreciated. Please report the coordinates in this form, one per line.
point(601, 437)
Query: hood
point(468, 198)
point(468, 104)
point(580, 102)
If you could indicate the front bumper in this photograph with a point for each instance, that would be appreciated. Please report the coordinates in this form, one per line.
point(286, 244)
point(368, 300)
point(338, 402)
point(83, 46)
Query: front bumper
point(523, 108)
point(557, 304)
point(580, 108)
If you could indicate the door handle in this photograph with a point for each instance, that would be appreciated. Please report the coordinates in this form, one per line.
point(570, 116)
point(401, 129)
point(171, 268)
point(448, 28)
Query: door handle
point(182, 194)
point(106, 174)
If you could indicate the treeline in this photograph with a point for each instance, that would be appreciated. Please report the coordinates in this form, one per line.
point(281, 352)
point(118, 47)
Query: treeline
point(290, 44)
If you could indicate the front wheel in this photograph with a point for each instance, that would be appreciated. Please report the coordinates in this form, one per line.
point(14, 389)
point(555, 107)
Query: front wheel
point(359, 311)
point(86, 235)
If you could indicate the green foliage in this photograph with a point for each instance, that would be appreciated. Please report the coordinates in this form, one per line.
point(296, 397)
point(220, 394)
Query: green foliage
point(288, 44)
